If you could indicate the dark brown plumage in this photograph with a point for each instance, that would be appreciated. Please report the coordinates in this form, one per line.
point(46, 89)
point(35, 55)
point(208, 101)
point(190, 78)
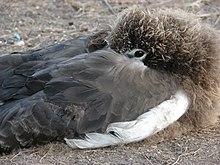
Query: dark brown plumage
point(178, 43)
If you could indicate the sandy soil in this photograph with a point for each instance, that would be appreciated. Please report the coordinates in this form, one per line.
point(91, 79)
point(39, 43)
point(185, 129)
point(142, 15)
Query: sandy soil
point(46, 22)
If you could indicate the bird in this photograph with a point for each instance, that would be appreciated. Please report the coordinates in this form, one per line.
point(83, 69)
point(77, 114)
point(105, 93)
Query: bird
point(47, 100)
point(67, 90)
point(176, 43)
point(151, 70)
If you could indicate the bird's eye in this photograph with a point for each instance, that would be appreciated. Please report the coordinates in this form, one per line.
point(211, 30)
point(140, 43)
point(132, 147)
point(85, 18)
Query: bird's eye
point(105, 43)
point(139, 53)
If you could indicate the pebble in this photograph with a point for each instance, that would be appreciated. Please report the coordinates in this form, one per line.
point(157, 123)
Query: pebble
point(20, 43)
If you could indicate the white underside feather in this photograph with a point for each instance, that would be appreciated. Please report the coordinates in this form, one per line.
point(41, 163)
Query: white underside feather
point(147, 124)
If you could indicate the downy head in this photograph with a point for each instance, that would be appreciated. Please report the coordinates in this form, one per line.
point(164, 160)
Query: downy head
point(176, 42)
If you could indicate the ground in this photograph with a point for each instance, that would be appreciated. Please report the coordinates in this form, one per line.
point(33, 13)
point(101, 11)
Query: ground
point(44, 22)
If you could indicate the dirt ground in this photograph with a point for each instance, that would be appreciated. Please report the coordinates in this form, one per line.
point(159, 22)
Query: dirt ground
point(44, 22)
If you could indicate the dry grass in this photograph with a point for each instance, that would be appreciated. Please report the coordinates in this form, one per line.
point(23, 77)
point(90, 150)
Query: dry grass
point(46, 22)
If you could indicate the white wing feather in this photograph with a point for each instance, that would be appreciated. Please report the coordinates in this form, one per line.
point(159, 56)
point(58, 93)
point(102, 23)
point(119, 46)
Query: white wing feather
point(147, 124)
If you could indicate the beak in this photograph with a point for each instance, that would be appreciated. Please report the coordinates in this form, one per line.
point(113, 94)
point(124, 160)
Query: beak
point(130, 55)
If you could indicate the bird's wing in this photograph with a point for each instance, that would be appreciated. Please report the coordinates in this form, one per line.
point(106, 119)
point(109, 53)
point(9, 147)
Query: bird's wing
point(17, 67)
point(110, 87)
point(82, 94)
point(145, 125)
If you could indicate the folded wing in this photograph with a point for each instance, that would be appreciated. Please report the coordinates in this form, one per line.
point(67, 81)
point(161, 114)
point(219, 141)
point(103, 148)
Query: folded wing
point(46, 100)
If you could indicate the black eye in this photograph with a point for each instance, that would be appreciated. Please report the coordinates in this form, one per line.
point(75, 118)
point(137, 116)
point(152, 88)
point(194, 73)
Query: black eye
point(139, 53)
point(105, 43)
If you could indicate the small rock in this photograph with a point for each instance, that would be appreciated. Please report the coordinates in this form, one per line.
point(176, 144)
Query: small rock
point(76, 6)
point(154, 146)
point(70, 23)
point(83, 28)
point(19, 43)
point(9, 42)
